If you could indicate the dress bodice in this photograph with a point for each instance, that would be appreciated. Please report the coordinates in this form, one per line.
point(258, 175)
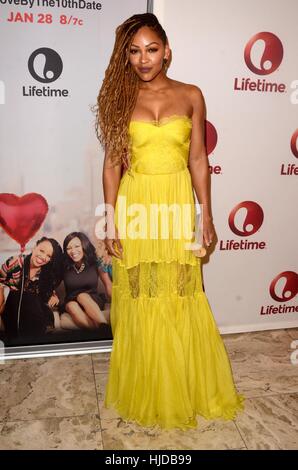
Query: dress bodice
point(160, 147)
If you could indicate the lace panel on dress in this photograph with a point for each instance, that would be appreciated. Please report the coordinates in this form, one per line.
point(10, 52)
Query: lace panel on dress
point(158, 279)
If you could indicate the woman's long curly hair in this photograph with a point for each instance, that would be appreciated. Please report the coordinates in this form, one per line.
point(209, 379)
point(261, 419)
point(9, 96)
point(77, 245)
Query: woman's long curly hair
point(118, 94)
point(90, 257)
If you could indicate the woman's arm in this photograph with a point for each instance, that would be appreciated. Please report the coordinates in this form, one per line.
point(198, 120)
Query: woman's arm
point(198, 162)
point(10, 271)
point(4, 270)
point(111, 176)
point(105, 279)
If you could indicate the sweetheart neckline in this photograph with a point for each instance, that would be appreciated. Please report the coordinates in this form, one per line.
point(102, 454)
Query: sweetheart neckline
point(164, 120)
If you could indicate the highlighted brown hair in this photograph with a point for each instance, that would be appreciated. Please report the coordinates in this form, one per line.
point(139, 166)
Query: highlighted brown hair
point(118, 94)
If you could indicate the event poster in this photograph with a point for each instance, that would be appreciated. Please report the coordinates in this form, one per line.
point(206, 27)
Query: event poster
point(53, 58)
point(244, 59)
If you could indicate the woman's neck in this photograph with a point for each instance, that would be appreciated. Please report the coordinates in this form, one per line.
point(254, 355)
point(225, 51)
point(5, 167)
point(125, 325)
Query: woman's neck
point(160, 82)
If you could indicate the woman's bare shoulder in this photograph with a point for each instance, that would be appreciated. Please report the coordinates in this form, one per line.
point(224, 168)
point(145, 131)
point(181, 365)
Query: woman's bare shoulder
point(191, 92)
point(188, 87)
point(194, 91)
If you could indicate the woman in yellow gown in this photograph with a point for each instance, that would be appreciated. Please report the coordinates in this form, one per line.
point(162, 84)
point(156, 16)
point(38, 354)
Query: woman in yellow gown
point(168, 363)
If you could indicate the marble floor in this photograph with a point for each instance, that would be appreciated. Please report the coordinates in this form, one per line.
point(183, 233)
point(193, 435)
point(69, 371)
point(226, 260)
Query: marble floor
point(57, 403)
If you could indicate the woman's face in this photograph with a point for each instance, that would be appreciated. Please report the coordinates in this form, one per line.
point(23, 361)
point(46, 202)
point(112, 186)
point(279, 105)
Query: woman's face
point(146, 54)
point(42, 254)
point(74, 250)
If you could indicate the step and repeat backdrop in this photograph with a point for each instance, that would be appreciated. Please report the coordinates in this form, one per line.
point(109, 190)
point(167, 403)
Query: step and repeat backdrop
point(53, 57)
point(244, 58)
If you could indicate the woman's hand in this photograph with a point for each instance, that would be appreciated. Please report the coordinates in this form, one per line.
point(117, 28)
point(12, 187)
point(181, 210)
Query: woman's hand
point(208, 231)
point(53, 301)
point(113, 245)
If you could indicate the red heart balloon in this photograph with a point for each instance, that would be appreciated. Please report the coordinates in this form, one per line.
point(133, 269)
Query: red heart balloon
point(21, 217)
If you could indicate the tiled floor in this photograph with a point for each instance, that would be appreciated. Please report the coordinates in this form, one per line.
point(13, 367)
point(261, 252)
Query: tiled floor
point(57, 403)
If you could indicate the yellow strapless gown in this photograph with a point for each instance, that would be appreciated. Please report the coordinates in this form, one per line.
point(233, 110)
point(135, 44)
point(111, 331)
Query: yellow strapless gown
point(168, 362)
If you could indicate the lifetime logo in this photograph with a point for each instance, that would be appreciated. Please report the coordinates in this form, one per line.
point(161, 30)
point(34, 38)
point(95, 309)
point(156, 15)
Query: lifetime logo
point(244, 220)
point(263, 55)
point(283, 288)
point(45, 66)
point(291, 168)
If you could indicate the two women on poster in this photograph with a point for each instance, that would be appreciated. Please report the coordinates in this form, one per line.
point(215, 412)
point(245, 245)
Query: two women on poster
point(34, 279)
